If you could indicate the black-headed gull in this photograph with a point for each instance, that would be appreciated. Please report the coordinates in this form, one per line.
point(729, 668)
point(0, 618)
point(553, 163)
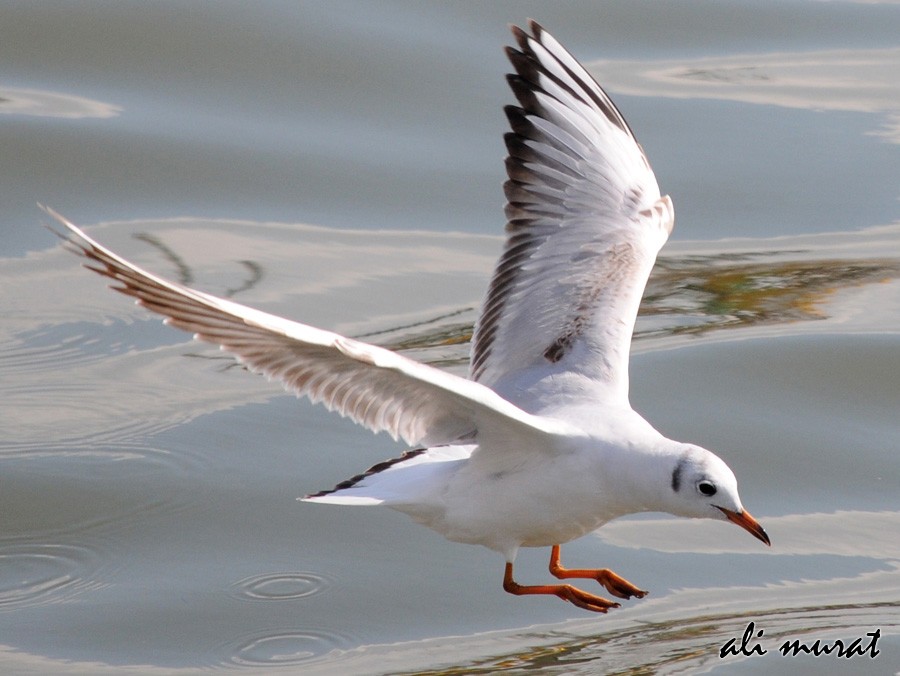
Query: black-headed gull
point(541, 445)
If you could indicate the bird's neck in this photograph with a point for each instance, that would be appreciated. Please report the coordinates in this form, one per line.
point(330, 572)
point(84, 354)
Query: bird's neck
point(639, 473)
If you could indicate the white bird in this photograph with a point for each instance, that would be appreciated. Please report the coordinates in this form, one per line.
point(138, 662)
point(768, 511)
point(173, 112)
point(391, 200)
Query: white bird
point(540, 446)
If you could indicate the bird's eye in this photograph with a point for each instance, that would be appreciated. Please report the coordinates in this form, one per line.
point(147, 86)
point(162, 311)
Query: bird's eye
point(708, 488)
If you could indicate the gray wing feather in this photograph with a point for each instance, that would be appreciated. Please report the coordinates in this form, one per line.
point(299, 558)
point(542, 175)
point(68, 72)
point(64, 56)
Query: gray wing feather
point(585, 222)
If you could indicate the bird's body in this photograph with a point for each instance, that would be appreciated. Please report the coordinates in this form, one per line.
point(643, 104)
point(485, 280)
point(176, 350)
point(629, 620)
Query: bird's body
point(507, 493)
point(540, 445)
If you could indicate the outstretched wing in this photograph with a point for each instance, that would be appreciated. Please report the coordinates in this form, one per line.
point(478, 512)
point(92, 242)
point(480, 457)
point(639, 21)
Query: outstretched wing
point(374, 387)
point(586, 222)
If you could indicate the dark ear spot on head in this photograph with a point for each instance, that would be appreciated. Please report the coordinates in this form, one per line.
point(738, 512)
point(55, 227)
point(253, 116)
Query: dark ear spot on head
point(676, 473)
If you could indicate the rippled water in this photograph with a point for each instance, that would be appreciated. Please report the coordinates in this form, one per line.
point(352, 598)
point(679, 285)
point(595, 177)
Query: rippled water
point(340, 163)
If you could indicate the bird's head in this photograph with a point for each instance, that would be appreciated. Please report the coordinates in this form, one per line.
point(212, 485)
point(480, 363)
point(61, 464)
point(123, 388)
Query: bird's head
point(703, 486)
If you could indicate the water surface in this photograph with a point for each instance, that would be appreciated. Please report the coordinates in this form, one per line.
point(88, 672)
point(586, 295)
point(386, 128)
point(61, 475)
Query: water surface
point(340, 163)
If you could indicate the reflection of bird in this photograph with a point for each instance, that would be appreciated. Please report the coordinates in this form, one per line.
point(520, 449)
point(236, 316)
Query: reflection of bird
point(541, 446)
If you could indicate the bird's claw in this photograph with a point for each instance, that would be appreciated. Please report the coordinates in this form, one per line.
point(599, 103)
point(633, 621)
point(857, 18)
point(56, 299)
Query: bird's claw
point(583, 599)
point(615, 585)
point(618, 586)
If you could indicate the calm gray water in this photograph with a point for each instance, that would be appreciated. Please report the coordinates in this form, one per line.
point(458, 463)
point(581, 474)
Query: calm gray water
point(340, 163)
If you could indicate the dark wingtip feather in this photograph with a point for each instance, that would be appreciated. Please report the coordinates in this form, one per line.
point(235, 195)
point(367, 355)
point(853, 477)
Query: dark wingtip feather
point(523, 89)
point(536, 28)
point(374, 469)
point(520, 36)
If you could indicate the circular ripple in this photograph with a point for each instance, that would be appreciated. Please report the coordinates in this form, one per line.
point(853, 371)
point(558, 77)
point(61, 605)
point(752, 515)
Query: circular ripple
point(44, 573)
point(280, 586)
point(286, 648)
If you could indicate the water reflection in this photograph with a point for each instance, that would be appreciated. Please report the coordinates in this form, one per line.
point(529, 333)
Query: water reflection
point(850, 534)
point(39, 103)
point(682, 646)
point(690, 295)
point(186, 275)
point(717, 292)
point(860, 80)
point(416, 292)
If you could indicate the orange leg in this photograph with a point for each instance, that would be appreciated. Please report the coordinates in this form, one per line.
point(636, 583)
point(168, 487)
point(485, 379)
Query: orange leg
point(564, 591)
point(615, 585)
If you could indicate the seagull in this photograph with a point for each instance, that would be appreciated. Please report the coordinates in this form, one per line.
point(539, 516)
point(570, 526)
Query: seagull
point(539, 445)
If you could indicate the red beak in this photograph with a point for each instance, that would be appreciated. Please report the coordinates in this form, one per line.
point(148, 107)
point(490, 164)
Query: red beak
point(747, 522)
